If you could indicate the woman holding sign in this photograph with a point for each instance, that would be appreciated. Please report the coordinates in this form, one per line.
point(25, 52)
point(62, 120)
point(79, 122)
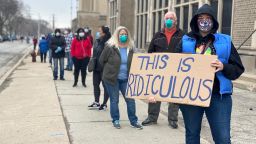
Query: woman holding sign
point(204, 39)
point(116, 61)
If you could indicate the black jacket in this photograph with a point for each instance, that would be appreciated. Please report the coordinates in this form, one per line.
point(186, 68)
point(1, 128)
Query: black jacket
point(110, 60)
point(58, 42)
point(234, 68)
point(159, 42)
point(97, 50)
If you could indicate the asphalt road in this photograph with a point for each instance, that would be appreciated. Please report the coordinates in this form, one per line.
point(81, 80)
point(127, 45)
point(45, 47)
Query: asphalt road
point(10, 53)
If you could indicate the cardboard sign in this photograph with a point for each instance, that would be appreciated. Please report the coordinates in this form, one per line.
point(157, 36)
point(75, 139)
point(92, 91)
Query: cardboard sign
point(171, 77)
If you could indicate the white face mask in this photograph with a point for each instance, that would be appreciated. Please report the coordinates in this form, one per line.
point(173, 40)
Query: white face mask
point(81, 34)
point(57, 34)
point(86, 30)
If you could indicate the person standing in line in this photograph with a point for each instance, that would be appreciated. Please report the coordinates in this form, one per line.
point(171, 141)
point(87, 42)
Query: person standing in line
point(101, 38)
point(165, 41)
point(68, 37)
point(57, 46)
point(49, 37)
point(116, 61)
point(204, 39)
point(81, 52)
point(35, 42)
point(43, 46)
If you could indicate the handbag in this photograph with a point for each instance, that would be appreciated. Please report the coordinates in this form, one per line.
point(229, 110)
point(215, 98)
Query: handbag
point(92, 64)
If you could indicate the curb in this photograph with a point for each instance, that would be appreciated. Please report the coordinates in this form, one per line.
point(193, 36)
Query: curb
point(9, 72)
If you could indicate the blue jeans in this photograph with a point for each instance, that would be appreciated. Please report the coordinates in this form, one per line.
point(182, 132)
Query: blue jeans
point(69, 61)
point(55, 70)
point(50, 56)
point(218, 116)
point(113, 91)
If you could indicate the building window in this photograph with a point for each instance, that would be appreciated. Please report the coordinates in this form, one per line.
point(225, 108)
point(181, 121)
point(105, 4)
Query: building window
point(214, 5)
point(185, 11)
point(155, 3)
point(160, 3)
point(145, 28)
point(113, 15)
point(141, 22)
point(138, 6)
point(154, 23)
point(185, 18)
point(223, 13)
point(227, 17)
point(146, 5)
point(177, 11)
point(194, 9)
point(158, 14)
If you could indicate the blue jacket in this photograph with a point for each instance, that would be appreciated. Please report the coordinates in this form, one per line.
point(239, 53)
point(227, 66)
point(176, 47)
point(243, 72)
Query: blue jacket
point(222, 45)
point(43, 45)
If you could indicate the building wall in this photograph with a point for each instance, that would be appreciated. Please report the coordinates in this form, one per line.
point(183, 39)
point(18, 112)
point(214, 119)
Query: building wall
point(236, 18)
point(121, 13)
point(244, 19)
point(127, 14)
point(92, 13)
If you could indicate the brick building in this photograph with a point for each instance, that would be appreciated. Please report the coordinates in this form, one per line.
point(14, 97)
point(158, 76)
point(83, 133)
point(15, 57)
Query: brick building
point(121, 13)
point(90, 13)
point(237, 18)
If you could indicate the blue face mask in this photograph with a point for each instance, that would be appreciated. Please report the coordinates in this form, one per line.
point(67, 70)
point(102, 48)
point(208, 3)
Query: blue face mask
point(123, 38)
point(168, 23)
point(97, 35)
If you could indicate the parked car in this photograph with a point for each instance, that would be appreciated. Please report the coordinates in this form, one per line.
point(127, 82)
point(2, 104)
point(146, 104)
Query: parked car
point(6, 38)
point(1, 39)
point(13, 37)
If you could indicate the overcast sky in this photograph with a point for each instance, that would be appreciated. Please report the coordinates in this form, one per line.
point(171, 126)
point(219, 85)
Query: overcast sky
point(60, 8)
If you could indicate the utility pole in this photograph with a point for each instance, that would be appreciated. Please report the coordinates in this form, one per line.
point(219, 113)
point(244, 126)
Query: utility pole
point(39, 26)
point(71, 12)
point(53, 22)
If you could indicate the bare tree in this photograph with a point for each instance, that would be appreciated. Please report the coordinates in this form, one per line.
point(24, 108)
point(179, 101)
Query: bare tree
point(8, 11)
point(15, 19)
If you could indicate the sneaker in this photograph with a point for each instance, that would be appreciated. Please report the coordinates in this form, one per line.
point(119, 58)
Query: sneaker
point(103, 107)
point(62, 79)
point(116, 124)
point(173, 124)
point(55, 78)
point(137, 126)
point(94, 105)
point(75, 84)
point(148, 122)
point(85, 85)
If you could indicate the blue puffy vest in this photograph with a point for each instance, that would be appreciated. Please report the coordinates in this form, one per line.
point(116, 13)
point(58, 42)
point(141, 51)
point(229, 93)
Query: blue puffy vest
point(222, 45)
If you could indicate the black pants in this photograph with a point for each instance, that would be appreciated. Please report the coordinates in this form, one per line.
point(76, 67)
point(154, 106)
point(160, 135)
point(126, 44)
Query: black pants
point(43, 57)
point(154, 109)
point(80, 65)
point(35, 46)
point(97, 78)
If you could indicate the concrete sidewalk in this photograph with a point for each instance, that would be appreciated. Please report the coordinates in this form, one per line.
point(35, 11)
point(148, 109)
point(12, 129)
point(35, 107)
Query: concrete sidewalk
point(31, 106)
point(94, 127)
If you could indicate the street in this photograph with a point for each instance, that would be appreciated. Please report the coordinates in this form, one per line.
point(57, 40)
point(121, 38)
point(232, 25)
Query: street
point(10, 53)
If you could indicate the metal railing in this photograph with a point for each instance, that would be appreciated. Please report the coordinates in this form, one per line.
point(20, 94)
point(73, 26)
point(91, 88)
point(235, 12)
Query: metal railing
point(246, 39)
